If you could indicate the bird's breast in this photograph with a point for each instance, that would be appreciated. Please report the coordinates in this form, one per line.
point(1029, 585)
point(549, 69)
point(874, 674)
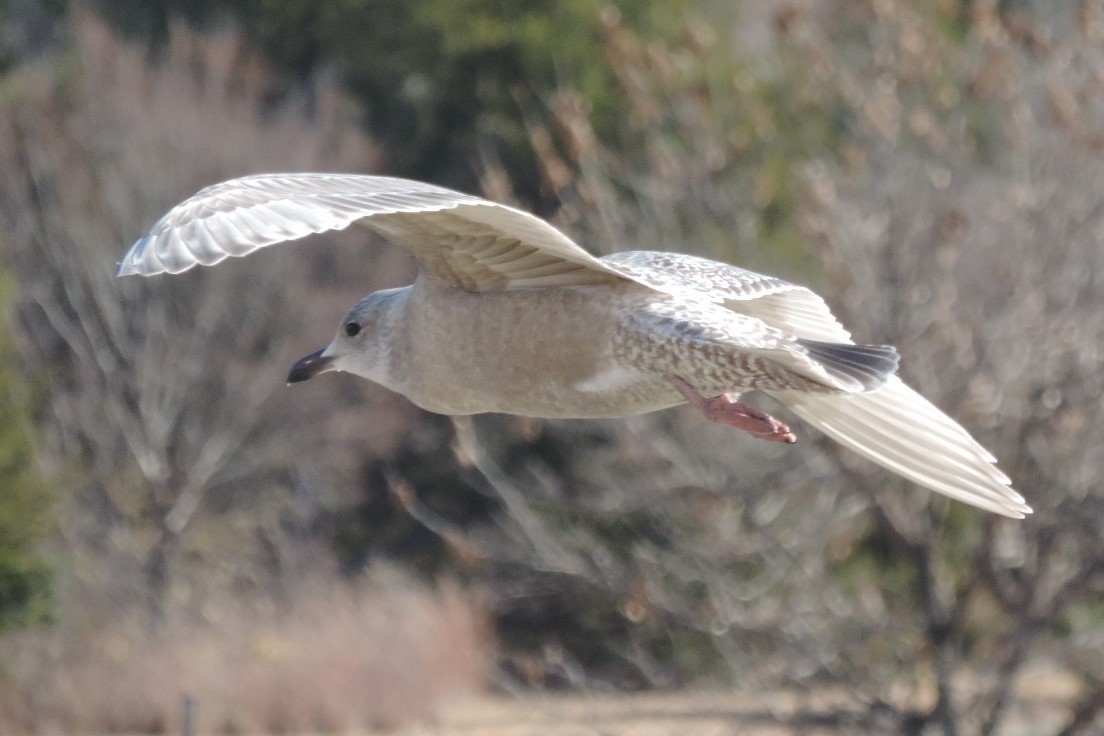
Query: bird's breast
point(544, 353)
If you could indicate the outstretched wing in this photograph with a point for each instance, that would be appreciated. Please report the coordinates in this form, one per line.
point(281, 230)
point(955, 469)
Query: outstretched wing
point(891, 425)
point(466, 241)
point(899, 429)
point(782, 305)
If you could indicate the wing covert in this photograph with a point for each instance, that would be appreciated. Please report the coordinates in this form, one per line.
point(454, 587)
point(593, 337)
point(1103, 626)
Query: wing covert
point(782, 305)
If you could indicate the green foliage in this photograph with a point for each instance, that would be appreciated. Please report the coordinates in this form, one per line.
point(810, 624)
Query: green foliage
point(439, 80)
point(26, 27)
point(24, 498)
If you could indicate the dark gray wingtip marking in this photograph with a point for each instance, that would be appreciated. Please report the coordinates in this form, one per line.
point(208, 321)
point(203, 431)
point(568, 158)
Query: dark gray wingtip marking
point(870, 365)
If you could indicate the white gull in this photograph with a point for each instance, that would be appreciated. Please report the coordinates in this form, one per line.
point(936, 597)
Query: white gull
point(508, 314)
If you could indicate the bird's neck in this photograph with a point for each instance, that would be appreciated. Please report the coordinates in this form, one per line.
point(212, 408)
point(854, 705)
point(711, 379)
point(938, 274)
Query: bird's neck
point(387, 351)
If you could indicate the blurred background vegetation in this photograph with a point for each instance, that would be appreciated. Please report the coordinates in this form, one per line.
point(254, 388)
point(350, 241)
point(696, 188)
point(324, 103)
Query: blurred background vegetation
point(173, 521)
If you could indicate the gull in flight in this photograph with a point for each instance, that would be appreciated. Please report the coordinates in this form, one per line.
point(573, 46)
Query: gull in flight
point(508, 314)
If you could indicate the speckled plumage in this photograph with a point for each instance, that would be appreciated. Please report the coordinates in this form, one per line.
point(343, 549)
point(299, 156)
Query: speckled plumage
point(509, 315)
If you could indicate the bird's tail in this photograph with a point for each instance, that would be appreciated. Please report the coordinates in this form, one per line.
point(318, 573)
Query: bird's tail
point(902, 431)
point(868, 366)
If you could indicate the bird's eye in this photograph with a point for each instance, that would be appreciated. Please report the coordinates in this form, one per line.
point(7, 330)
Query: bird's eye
point(352, 329)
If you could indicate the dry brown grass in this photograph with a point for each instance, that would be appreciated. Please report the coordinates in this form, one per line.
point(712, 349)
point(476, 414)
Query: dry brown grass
point(343, 658)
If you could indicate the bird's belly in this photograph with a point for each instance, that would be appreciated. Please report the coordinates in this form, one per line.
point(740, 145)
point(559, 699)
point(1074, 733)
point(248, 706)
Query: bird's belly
point(496, 362)
point(552, 398)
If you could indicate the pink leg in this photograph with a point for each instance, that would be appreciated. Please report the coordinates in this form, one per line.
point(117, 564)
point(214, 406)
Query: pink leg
point(728, 411)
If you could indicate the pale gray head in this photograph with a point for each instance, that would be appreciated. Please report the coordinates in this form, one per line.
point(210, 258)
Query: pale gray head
point(361, 343)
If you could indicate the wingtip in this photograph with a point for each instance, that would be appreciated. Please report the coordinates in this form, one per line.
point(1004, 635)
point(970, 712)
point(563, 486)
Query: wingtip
point(129, 265)
point(1011, 505)
point(141, 259)
point(1017, 512)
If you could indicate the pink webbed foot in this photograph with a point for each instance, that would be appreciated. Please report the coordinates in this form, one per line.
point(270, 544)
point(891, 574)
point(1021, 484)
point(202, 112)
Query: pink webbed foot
point(725, 410)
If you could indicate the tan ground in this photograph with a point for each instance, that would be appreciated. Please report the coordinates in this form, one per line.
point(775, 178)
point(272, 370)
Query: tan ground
point(1041, 707)
point(621, 715)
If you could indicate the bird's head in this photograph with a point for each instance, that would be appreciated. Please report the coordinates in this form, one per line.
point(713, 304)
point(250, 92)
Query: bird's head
point(360, 345)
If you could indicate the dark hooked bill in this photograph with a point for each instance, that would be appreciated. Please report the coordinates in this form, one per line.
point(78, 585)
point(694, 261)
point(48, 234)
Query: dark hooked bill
point(310, 366)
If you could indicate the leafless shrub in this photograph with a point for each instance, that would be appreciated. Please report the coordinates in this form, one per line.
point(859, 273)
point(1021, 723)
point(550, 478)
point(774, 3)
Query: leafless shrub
point(341, 658)
point(188, 477)
point(165, 415)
